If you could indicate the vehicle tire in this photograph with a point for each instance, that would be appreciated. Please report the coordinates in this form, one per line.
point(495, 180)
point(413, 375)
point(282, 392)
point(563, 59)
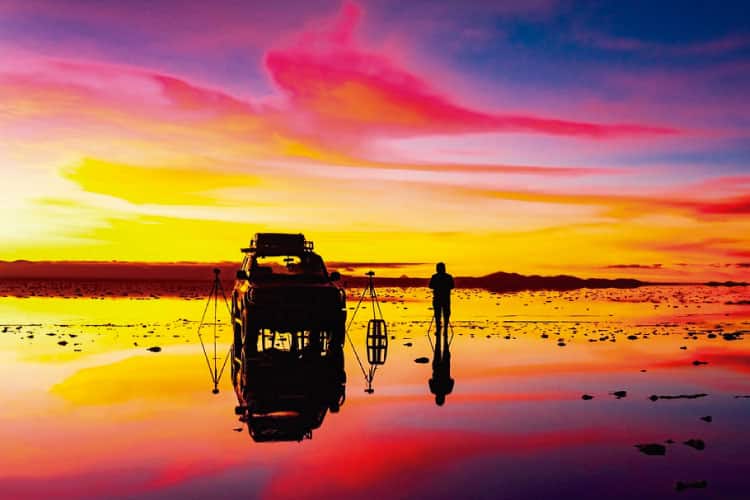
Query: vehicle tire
point(338, 332)
point(249, 334)
point(237, 343)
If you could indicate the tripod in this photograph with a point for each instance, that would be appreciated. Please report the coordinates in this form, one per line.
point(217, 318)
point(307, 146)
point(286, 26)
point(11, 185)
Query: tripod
point(377, 334)
point(213, 368)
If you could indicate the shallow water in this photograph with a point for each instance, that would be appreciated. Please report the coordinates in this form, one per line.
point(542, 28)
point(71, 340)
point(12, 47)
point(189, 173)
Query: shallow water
point(103, 417)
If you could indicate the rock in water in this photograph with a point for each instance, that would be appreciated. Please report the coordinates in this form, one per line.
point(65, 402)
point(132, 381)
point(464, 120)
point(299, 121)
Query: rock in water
point(698, 444)
point(652, 448)
point(587, 397)
point(620, 394)
point(422, 360)
point(698, 363)
point(154, 349)
point(707, 418)
point(683, 485)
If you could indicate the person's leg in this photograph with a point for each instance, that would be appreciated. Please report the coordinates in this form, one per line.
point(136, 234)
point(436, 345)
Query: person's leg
point(437, 309)
point(446, 317)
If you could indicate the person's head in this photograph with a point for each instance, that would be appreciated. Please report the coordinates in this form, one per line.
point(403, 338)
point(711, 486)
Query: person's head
point(440, 399)
point(440, 267)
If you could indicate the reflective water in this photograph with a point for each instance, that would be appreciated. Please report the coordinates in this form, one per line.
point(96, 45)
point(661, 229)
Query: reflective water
point(86, 411)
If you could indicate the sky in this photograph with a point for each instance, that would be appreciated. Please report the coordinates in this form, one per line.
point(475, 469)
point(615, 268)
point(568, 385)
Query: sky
point(544, 136)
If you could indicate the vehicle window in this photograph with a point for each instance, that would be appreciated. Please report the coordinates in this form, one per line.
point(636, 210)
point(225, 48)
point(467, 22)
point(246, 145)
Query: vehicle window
point(286, 266)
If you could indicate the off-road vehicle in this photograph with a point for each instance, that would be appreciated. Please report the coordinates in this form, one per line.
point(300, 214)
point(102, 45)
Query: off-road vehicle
point(289, 317)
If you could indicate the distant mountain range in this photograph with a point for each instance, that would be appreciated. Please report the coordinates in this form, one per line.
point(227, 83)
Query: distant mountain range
point(509, 282)
point(186, 271)
point(202, 272)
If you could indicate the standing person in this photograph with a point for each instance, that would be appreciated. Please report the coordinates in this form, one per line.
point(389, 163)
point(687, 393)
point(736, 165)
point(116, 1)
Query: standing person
point(441, 284)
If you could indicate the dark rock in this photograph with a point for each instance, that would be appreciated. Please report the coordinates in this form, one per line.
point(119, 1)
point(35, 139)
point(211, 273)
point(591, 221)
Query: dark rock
point(654, 397)
point(619, 394)
point(408, 344)
point(652, 449)
point(707, 418)
point(587, 397)
point(154, 349)
point(683, 485)
point(698, 444)
point(422, 360)
point(63, 343)
point(632, 337)
point(698, 363)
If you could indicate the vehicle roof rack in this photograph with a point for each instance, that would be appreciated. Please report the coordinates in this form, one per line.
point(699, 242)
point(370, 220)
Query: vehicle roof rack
point(272, 244)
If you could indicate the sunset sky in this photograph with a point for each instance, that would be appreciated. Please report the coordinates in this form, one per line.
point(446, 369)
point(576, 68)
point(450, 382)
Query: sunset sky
point(536, 136)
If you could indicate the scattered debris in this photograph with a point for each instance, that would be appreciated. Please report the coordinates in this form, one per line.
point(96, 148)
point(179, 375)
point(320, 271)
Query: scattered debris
point(698, 444)
point(683, 485)
point(652, 449)
point(654, 397)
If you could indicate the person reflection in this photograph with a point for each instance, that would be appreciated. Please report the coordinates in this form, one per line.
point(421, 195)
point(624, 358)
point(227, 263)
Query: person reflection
point(441, 383)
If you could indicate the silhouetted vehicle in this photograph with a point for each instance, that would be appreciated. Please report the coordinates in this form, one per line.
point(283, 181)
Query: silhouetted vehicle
point(286, 389)
point(289, 320)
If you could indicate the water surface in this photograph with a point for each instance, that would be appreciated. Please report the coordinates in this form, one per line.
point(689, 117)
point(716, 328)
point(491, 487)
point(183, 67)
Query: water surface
point(86, 411)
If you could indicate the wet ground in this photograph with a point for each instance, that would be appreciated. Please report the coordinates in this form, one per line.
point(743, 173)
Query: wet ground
point(90, 409)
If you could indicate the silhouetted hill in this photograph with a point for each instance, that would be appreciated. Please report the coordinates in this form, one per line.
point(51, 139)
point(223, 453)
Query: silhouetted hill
point(507, 282)
point(201, 273)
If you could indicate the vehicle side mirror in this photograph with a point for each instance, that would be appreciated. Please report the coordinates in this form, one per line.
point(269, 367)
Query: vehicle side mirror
point(335, 276)
point(241, 275)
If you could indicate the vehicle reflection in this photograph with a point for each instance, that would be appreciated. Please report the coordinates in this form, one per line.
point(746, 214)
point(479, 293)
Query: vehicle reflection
point(285, 389)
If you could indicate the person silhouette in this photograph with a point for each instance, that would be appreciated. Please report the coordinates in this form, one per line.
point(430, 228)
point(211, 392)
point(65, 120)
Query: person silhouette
point(441, 383)
point(441, 284)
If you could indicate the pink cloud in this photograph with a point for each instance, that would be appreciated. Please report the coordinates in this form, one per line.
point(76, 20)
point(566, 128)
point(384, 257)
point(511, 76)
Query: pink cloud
point(340, 85)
